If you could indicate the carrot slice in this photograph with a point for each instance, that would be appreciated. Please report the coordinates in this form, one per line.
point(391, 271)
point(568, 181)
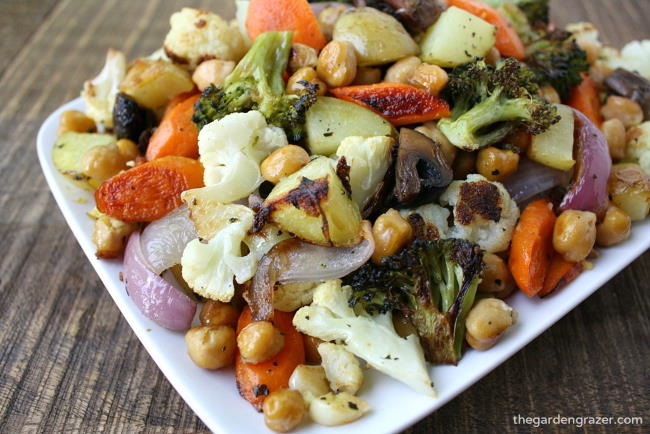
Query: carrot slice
point(584, 97)
point(508, 41)
point(256, 381)
point(532, 246)
point(296, 15)
point(398, 103)
point(179, 99)
point(176, 134)
point(560, 273)
point(148, 191)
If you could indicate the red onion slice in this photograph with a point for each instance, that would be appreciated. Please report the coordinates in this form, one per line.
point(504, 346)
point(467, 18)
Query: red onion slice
point(588, 191)
point(532, 179)
point(156, 298)
point(164, 240)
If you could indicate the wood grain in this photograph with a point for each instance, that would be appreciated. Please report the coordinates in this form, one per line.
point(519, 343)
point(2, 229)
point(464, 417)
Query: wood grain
point(69, 361)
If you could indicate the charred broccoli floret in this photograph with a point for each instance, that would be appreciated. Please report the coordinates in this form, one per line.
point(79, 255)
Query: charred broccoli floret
point(491, 102)
point(257, 84)
point(431, 282)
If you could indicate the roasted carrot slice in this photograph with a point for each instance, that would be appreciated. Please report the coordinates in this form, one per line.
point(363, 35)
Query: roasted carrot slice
point(148, 191)
point(398, 103)
point(508, 41)
point(584, 97)
point(296, 15)
point(560, 273)
point(256, 381)
point(176, 134)
point(531, 248)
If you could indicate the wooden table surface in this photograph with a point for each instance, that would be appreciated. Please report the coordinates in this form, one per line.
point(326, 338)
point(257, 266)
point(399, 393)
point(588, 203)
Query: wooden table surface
point(69, 361)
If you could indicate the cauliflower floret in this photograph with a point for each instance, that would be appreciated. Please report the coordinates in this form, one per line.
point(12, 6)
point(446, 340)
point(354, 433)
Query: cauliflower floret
point(634, 56)
point(292, 296)
point(198, 35)
point(372, 338)
point(484, 213)
point(432, 214)
point(341, 368)
point(586, 36)
point(638, 148)
point(369, 159)
point(231, 150)
point(100, 92)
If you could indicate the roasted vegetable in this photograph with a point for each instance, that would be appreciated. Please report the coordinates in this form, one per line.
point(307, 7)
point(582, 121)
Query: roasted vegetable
point(631, 85)
point(415, 15)
point(491, 102)
point(153, 83)
point(257, 84)
point(130, 119)
point(431, 282)
point(629, 189)
point(68, 154)
point(554, 147)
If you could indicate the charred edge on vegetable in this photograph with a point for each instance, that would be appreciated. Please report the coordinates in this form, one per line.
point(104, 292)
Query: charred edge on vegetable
point(343, 172)
point(480, 197)
point(421, 229)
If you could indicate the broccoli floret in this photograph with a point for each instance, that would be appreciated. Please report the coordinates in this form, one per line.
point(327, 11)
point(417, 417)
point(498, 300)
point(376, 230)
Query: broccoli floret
point(257, 84)
point(431, 282)
point(491, 102)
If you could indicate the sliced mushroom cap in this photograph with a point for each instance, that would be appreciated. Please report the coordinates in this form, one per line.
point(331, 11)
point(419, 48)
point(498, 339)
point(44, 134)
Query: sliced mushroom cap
point(421, 170)
point(631, 85)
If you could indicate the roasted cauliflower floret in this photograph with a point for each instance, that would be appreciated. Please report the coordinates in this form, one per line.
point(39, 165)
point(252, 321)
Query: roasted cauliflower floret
point(342, 368)
point(483, 212)
point(638, 148)
point(433, 215)
point(198, 35)
point(100, 92)
point(634, 56)
point(292, 296)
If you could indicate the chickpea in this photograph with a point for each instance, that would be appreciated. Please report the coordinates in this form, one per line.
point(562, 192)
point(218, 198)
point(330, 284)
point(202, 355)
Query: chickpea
point(283, 162)
point(213, 71)
point(487, 321)
point(464, 164)
point(305, 74)
point(496, 275)
point(431, 130)
point(337, 64)
point(310, 381)
point(550, 94)
point(211, 347)
point(128, 149)
point(328, 17)
point(102, 162)
point(431, 78)
point(574, 234)
point(110, 236)
point(367, 75)
point(492, 56)
point(302, 56)
point(628, 111)
point(311, 348)
point(496, 164)
point(283, 410)
point(614, 228)
point(391, 233)
point(403, 325)
point(216, 313)
point(402, 70)
point(614, 132)
point(259, 341)
point(74, 120)
point(520, 138)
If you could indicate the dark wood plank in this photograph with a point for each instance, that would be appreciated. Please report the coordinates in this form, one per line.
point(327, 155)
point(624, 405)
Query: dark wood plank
point(69, 361)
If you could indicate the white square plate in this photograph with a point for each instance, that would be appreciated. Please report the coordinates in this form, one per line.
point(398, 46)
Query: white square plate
point(213, 395)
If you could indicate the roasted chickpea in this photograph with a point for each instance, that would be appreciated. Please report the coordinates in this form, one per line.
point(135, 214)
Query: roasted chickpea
point(430, 129)
point(337, 64)
point(496, 276)
point(211, 347)
point(496, 164)
point(74, 120)
point(614, 228)
point(283, 162)
point(391, 233)
point(213, 71)
point(487, 321)
point(627, 111)
point(403, 325)
point(218, 313)
point(283, 410)
point(128, 149)
point(492, 56)
point(305, 74)
point(103, 161)
point(550, 94)
point(520, 138)
point(614, 132)
point(367, 75)
point(110, 236)
point(259, 341)
point(311, 348)
point(574, 234)
point(464, 164)
point(431, 78)
point(328, 17)
point(302, 56)
point(310, 381)
point(402, 70)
